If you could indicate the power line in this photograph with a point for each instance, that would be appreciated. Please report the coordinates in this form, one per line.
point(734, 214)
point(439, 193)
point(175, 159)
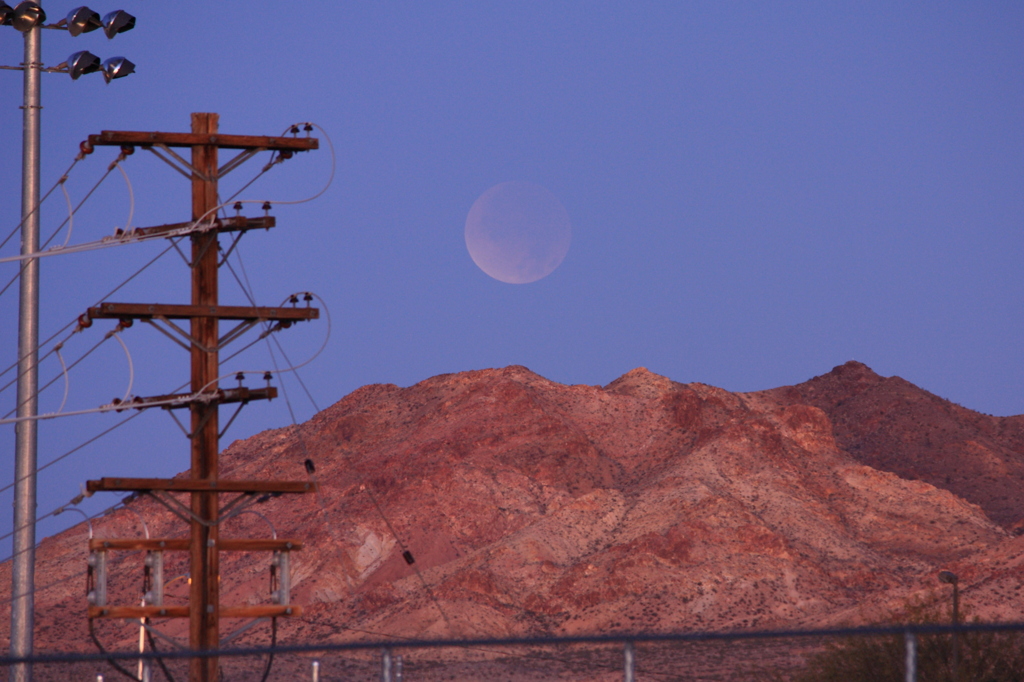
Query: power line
point(75, 321)
point(75, 449)
point(27, 257)
point(63, 178)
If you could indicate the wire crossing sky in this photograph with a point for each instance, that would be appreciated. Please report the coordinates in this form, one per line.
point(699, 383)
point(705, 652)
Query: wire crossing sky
point(757, 193)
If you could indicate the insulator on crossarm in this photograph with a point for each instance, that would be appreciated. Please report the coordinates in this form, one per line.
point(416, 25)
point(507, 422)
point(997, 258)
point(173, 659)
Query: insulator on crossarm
point(98, 566)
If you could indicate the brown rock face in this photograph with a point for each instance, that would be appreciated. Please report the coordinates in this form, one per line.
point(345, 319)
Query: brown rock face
point(646, 505)
point(890, 424)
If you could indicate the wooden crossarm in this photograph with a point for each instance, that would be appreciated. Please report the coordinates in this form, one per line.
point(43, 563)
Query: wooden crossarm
point(221, 396)
point(182, 544)
point(124, 137)
point(198, 485)
point(231, 224)
point(187, 312)
point(268, 611)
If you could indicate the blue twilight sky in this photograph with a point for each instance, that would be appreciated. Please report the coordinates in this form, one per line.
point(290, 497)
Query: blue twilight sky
point(758, 192)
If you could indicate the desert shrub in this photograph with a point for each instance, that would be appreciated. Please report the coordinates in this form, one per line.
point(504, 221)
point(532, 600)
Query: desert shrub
point(983, 656)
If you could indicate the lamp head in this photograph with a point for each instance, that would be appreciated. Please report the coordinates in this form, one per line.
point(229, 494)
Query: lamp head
point(27, 15)
point(6, 14)
point(948, 577)
point(116, 22)
point(82, 20)
point(81, 63)
point(117, 67)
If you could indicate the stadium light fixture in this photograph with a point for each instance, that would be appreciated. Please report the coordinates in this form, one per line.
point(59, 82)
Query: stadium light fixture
point(83, 20)
point(81, 63)
point(117, 67)
point(116, 22)
point(27, 15)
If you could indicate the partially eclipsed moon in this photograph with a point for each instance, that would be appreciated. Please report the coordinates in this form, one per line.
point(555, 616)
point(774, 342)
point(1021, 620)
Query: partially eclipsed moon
point(518, 232)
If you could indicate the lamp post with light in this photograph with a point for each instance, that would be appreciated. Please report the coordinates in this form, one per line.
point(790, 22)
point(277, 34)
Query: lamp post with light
point(950, 578)
point(29, 18)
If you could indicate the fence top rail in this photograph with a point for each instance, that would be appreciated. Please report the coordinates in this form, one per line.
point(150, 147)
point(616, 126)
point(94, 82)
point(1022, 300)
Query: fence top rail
point(636, 638)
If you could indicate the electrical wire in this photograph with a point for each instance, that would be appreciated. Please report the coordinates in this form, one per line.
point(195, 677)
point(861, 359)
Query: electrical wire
point(40, 252)
point(72, 451)
point(75, 321)
point(113, 664)
point(298, 378)
point(131, 367)
point(63, 178)
point(131, 197)
point(53, 380)
point(67, 381)
point(71, 214)
point(64, 507)
point(408, 555)
point(196, 226)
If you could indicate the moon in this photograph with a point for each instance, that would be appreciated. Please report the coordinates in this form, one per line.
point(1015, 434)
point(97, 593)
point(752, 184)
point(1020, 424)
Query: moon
point(518, 232)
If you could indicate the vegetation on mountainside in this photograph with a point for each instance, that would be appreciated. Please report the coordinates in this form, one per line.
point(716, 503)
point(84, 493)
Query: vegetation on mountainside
point(982, 656)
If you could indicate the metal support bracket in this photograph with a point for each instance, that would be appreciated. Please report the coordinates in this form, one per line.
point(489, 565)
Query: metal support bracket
point(176, 157)
point(226, 513)
point(242, 630)
point(238, 160)
point(167, 638)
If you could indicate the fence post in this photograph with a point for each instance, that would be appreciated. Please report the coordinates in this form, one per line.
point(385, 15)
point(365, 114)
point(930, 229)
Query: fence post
point(629, 660)
point(316, 671)
point(911, 645)
point(385, 667)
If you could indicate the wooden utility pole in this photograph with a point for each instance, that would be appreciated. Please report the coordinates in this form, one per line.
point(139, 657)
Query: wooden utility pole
point(203, 513)
point(204, 630)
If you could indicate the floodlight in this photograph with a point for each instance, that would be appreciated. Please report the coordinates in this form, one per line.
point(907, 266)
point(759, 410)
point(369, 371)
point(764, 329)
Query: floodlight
point(117, 67)
point(82, 20)
point(27, 15)
point(948, 577)
point(6, 14)
point(81, 63)
point(116, 22)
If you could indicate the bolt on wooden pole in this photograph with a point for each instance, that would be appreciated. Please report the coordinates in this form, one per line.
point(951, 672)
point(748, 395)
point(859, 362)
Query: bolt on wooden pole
point(204, 597)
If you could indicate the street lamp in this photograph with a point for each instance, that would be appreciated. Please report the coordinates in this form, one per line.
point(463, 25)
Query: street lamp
point(950, 578)
point(29, 18)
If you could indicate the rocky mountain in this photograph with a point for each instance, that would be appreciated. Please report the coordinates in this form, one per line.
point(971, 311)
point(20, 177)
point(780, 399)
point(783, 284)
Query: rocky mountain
point(533, 507)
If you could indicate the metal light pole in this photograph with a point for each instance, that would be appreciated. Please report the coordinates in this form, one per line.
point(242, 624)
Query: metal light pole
point(29, 18)
point(26, 431)
point(950, 578)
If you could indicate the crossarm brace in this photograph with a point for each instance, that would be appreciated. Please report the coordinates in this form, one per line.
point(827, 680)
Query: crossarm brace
point(177, 157)
point(238, 160)
point(226, 513)
point(236, 331)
